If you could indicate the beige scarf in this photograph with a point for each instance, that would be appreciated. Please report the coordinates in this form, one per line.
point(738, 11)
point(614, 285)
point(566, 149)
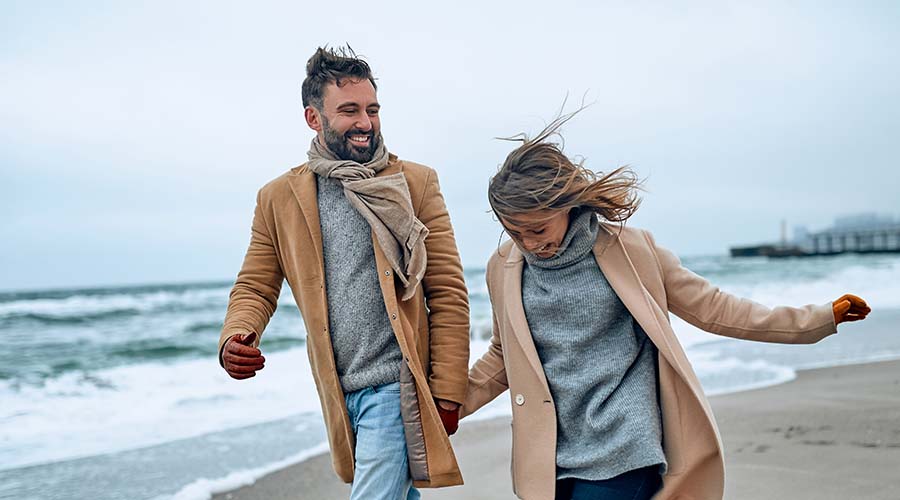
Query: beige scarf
point(386, 205)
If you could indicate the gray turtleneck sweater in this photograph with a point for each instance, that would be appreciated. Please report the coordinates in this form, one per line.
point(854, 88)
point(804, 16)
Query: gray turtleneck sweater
point(366, 352)
point(599, 363)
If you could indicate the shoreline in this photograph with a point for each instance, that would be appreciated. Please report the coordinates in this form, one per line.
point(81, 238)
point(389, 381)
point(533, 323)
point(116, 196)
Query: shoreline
point(831, 432)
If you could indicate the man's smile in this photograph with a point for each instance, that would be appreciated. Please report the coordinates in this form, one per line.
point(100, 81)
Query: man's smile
point(360, 140)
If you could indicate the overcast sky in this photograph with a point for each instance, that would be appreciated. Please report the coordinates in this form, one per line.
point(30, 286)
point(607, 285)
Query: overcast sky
point(134, 136)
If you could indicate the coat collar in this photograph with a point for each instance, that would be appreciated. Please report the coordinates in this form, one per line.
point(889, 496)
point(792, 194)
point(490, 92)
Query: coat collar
point(617, 267)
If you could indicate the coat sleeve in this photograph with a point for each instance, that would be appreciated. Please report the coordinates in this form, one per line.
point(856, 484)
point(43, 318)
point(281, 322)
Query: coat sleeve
point(446, 297)
point(487, 378)
point(703, 305)
point(254, 296)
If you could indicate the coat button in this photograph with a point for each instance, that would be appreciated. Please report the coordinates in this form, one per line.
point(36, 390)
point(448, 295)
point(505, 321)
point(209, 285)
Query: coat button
point(393, 316)
point(520, 399)
point(387, 273)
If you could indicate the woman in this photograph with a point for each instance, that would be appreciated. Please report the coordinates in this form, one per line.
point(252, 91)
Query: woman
point(605, 402)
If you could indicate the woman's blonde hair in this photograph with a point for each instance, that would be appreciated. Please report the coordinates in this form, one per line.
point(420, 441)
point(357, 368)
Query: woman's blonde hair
point(538, 176)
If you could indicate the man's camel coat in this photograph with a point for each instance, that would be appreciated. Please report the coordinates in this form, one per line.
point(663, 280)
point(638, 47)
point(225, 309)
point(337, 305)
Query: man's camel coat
point(432, 328)
point(650, 281)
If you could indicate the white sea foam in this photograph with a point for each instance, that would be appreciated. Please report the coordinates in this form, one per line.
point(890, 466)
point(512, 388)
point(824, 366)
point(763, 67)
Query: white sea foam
point(724, 375)
point(876, 279)
point(127, 407)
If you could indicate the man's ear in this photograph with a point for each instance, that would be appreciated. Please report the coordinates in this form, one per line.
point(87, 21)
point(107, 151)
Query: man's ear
point(313, 118)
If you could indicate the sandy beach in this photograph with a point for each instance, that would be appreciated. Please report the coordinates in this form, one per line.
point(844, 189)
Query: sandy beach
point(833, 433)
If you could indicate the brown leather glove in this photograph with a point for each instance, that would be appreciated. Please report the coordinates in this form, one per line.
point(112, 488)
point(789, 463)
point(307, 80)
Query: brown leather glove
point(239, 358)
point(849, 308)
point(450, 418)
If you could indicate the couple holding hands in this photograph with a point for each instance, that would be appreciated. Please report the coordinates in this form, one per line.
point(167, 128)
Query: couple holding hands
point(605, 404)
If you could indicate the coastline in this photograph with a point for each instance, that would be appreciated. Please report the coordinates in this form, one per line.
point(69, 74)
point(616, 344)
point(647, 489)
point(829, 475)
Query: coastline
point(830, 433)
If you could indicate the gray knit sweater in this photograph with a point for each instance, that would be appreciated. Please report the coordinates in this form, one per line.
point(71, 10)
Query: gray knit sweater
point(599, 363)
point(366, 352)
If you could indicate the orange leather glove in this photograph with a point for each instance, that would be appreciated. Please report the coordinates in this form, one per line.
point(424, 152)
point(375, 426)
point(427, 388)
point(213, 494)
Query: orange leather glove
point(450, 418)
point(849, 308)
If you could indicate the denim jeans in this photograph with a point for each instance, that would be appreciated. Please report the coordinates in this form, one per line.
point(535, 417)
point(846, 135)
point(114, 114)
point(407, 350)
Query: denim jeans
point(638, 484)
point(382, 469)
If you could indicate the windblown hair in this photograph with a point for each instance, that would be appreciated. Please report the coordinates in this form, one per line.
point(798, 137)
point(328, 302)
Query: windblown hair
point(538, 176)
point(336, 66)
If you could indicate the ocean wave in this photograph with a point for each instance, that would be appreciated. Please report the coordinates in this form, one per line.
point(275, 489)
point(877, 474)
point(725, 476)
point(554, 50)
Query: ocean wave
point(204, 326)
point(77, 308)
point(149, 350)
point(62, 318)
point(796, 282)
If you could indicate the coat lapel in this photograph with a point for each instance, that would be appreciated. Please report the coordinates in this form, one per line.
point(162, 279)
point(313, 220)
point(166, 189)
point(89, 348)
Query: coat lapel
point(609, 251)
point(303, 184)
point(515, 311)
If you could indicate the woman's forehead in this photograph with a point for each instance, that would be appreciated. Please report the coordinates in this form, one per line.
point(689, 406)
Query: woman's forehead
point(534, 218)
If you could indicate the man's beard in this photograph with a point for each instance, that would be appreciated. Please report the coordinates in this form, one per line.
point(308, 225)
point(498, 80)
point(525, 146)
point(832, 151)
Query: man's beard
point(343, 149)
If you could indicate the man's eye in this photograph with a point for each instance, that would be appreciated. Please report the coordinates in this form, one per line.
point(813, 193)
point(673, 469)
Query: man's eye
point(373, 112)
point(539, 231)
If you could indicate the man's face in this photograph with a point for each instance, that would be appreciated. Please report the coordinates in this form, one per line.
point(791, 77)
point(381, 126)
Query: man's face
point(540, 232)
point(349, 125)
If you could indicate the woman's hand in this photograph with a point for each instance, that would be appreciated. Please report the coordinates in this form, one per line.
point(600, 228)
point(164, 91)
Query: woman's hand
point(849, 308)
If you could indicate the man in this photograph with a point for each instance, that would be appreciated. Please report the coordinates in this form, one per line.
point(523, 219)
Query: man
point(365, 242)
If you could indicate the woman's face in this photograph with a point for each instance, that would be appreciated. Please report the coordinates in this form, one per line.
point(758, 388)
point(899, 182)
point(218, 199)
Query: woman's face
point(539, 233)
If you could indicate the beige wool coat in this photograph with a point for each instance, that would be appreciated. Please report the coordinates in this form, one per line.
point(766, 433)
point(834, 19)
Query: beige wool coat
point(651, 282)
point(432, 328)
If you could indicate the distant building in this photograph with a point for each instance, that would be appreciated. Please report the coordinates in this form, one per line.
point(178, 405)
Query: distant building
point(860, 233)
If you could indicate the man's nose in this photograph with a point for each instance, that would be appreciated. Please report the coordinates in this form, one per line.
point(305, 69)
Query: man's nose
point(364, 123)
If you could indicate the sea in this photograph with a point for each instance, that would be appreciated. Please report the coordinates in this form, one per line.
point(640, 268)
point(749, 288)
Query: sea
point(116, 392)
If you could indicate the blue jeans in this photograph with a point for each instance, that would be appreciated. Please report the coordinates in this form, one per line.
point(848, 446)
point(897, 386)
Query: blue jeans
point(638, 484)
point(382, 468)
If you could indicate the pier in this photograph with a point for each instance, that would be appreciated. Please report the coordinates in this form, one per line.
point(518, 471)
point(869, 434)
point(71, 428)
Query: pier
point(837, 241)
point(851, 235)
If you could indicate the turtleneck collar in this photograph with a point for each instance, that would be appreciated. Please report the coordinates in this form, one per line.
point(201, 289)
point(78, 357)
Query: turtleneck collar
point(575, 246)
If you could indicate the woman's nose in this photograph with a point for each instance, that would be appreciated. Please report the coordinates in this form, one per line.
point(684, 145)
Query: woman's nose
point(531, 244)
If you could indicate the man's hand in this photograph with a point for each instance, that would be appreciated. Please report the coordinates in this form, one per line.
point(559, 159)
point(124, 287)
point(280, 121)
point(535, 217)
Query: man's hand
point(239, 359)
point(849, 308)
point(449, 412)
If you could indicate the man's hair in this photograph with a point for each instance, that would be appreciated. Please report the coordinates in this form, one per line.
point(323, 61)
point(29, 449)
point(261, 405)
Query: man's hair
point(336, 66)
